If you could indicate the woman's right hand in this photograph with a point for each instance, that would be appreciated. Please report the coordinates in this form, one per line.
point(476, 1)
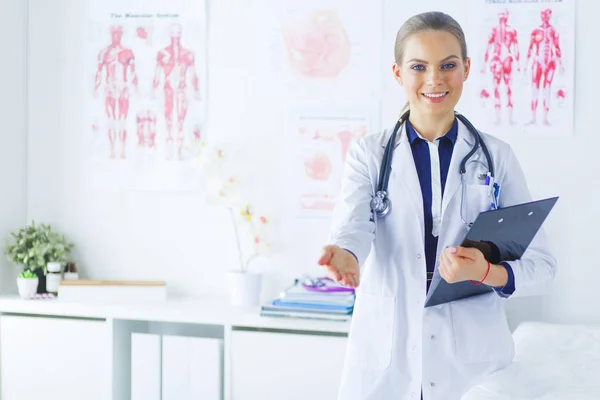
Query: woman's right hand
point(341, 265)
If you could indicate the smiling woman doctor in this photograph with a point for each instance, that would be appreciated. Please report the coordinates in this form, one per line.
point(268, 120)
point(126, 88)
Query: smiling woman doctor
point(397, 349)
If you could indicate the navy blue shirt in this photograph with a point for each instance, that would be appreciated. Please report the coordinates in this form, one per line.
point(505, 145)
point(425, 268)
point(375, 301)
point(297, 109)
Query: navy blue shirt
point(421, 156)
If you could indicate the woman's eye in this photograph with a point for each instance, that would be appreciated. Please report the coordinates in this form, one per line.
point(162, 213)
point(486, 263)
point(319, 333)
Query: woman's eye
point(418, 67)
point(448, 65)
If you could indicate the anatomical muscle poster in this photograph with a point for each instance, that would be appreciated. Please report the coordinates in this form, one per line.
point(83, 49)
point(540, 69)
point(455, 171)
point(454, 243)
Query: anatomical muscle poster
point(145, 92)
point(522, 67)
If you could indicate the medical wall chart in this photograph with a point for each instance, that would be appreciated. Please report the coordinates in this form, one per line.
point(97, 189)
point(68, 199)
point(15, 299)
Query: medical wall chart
point(327, 56)
point(522, 71)
point(323, 50)
point(145, 92)
point(321, 144)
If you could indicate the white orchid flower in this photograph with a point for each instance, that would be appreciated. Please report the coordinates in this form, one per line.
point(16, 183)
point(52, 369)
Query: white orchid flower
point(229, 183)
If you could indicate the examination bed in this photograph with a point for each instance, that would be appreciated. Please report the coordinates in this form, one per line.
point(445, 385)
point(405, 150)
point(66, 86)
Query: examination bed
point(552, 362)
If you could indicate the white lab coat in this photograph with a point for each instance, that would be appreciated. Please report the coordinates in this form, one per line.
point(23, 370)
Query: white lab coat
point(396, 345)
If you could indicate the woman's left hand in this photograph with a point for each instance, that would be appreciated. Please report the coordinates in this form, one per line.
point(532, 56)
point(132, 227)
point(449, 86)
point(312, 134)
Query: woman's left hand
point(459, 264)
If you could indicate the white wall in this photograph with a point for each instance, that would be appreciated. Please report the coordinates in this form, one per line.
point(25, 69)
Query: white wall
point(191, 244)
point(568, 168)
point(13, 138)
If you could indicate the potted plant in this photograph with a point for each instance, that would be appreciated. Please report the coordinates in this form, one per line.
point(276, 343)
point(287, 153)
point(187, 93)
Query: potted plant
point(27, 284)
point(255, 229)
point(34, 246)
point(229, 185)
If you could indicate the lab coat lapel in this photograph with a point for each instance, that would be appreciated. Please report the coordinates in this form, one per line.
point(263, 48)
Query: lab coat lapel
point(464, 144)
point(404, 174)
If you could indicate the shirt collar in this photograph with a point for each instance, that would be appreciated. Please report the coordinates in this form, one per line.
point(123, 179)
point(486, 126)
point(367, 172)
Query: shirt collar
point(451, 134)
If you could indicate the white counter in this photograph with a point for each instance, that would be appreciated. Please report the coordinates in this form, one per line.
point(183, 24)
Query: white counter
point(200, 348)
point(209, 311)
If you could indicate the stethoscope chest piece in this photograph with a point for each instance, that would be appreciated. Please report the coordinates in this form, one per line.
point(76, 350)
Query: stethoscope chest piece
point(380, 204)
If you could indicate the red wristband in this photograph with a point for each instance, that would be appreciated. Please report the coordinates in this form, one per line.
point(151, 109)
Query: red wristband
point(485, 276)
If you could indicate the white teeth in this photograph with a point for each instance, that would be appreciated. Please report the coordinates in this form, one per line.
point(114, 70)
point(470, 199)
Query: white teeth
point(434, 95)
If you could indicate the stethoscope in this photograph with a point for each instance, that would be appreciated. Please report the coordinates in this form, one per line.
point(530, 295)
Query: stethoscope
point(381, 204)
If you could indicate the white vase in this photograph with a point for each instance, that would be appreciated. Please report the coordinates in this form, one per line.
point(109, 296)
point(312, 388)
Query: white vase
point(53, 276)
point(245, 288)
point(27, 287)
point(54, 266)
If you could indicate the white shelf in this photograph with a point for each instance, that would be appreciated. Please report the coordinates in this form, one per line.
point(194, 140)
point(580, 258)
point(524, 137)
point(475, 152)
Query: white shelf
point(210, 311)
point(206, 338)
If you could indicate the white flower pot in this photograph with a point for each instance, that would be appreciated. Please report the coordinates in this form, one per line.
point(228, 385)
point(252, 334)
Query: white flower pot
point(27, 287)
point(245, 288)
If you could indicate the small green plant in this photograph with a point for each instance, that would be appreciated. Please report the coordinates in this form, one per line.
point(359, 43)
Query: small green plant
point(27, 274)
point(34, 246)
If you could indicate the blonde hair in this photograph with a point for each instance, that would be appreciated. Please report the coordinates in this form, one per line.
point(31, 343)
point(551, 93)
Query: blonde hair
point(428, 21)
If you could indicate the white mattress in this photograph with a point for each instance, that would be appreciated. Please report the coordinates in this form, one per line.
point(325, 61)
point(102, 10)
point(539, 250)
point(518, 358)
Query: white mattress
point(552, 362)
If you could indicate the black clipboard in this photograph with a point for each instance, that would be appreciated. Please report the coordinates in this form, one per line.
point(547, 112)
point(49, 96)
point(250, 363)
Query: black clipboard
point(510, 230)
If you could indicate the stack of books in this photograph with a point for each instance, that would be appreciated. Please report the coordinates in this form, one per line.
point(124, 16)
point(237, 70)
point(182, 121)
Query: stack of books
point(313, 298)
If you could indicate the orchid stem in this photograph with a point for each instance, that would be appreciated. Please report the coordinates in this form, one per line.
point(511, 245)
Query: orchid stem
point(237, 240)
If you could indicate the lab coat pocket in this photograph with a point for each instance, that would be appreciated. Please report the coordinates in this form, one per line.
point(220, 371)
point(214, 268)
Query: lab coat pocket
point(476, 199)
point(481, 333)
point(371, 333)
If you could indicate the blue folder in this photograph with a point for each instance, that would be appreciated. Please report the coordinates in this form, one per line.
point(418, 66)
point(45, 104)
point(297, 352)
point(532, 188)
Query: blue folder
point(510, 230)
point(312, 306)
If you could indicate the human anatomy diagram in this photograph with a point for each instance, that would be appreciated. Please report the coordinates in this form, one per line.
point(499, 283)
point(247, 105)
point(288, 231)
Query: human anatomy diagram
point(317, 44)
point(149, 81)
point(146, 128)
point(174, 64)
point(504, 59)
point(501, 52)
point(545, 55)
point(318, 166)
point(116, 63)
point(323, 148)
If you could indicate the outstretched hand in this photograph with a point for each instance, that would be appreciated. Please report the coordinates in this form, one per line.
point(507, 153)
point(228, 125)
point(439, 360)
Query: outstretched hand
point(459, 264)
point(341, 265)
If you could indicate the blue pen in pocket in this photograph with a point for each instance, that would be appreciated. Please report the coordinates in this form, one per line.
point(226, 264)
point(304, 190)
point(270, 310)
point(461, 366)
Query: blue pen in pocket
point(494, 192)
point(495, 196)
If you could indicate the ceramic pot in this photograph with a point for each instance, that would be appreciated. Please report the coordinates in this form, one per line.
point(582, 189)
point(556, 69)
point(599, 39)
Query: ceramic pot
point(27, 287)
point(245, 288)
